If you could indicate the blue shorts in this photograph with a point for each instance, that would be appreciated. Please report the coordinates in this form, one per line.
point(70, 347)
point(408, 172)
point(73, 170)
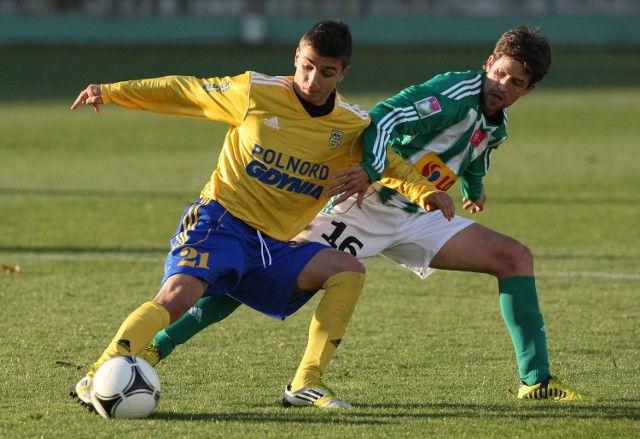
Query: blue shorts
point(235, 259)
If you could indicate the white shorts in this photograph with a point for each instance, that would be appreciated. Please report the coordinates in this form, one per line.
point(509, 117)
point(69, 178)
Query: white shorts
point(408, 239)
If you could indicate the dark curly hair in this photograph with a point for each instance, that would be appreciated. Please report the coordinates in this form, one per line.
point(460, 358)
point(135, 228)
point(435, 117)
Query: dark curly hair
point(524, 44)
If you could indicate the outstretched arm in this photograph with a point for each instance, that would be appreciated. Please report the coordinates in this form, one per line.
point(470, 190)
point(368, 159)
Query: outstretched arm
point(92, 95)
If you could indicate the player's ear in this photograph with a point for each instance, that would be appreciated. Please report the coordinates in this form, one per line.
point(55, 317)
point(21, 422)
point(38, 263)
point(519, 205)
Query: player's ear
point(295, 57)
point(489, 63)
point(343, 74)
point(529, 89)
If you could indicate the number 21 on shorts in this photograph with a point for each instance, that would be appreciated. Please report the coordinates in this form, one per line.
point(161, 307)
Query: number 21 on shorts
point(192, 258)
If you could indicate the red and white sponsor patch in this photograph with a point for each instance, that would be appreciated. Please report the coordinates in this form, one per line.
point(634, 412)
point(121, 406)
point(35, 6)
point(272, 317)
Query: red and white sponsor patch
point(477, 137)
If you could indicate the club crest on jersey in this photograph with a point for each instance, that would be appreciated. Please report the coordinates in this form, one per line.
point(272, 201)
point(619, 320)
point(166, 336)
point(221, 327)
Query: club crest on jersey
point(428, 107)
point(477, 137)
point(335, 139)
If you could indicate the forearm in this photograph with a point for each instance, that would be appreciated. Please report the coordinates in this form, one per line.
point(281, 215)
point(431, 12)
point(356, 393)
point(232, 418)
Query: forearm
point(405, 179)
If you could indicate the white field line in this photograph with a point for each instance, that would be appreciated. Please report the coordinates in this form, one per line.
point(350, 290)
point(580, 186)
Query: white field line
point(128, 257)
point(85, 257)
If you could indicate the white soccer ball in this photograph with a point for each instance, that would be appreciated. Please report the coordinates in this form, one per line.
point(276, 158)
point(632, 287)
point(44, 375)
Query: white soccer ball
point(125, 387)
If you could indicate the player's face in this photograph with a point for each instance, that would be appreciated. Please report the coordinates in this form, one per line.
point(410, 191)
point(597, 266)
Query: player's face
point(316, 76)
point(505, 83)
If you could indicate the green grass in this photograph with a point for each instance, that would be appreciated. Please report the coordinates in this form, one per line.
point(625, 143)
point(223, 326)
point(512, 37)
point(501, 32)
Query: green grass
point(88, 203)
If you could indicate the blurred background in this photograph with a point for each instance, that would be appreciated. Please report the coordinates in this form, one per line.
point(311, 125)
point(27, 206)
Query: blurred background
point(568, 23)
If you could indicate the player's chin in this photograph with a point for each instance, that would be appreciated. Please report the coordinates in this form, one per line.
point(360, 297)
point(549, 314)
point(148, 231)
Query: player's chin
point(494, 103)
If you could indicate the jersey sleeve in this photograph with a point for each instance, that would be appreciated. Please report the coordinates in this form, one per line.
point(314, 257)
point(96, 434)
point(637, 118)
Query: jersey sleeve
point(416, 110)
point(222, 99)
point(386, 123)
point(404, 178)
point(471, 180)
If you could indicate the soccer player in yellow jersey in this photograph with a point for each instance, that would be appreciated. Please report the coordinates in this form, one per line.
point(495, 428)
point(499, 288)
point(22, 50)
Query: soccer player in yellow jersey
point(448, 127)
point(291, 143)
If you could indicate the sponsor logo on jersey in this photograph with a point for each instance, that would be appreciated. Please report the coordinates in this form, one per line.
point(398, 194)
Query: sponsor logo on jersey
point(335, 139)
point(436, 171)
point(217, 88)
point(285, 172)
point(428, 107)
point(477, 138)
point(272, 122)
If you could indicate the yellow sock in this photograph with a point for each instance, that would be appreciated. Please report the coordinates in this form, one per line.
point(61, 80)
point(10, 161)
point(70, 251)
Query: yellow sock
point(135, 333)
point(328, 326)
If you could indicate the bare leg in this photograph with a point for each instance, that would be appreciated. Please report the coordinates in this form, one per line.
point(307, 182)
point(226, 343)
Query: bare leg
point(482, 250)
point(479, 249)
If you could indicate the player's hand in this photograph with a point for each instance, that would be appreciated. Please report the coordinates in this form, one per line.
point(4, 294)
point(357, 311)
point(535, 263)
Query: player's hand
point(354, 180)
point(91, 95)
point(443, 202)
point(474, 206)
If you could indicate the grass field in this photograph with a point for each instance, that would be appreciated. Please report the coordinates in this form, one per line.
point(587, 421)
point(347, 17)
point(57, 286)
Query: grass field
point(88, 203)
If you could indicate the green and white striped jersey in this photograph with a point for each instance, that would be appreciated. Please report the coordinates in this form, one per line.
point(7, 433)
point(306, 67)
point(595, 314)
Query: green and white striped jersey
point(439, 127)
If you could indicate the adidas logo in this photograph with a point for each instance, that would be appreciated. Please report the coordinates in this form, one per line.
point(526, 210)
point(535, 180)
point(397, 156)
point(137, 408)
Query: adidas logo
point(336, 342)
point(196, 313)
point(124, 344)
point(272, 122)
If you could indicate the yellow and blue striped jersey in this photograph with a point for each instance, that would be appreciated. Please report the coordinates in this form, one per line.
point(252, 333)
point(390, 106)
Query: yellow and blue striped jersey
point(276, 160)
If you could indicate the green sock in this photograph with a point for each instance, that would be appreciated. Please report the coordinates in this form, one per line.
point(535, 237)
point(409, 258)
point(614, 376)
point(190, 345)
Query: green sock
point(208, 310)
point(521, 313)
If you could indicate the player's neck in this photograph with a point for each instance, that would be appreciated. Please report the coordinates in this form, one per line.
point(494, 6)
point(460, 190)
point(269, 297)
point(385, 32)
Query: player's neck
point(318, 110)
point(495, 118)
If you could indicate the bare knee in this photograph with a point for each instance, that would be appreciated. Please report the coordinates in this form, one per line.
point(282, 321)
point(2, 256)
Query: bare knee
point(178, 294)
point(350, 263)
point(517, 260)
point(323, 265)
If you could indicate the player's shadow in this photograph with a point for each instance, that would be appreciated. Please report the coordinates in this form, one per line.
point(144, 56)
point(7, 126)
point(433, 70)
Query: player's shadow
point(389, 414)
point(623, 408)
point(282, 416)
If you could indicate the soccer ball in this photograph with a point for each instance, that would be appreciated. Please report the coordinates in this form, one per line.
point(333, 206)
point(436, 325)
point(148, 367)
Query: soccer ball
point(125, 387)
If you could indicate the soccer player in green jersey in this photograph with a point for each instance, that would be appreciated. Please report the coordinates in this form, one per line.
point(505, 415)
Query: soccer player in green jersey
point(447, 128)
point(289, 138)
